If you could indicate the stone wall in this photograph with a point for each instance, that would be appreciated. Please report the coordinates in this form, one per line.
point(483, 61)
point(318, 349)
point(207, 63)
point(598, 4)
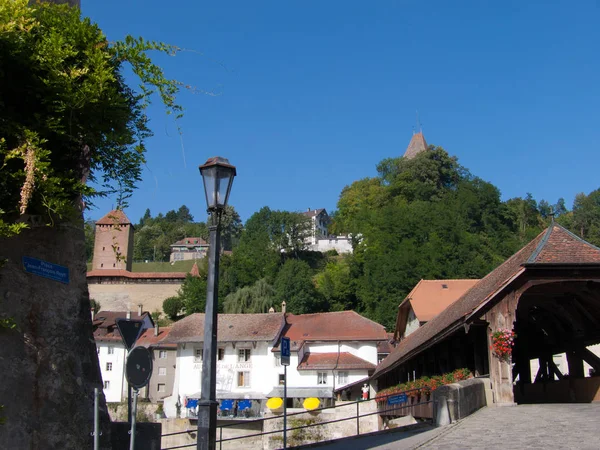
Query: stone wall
point(456, 401)
point(123, 297)
point(310, 435)
point(48, 364)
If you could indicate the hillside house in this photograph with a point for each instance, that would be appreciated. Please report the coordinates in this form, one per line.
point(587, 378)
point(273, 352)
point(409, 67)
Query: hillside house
point(189, 248)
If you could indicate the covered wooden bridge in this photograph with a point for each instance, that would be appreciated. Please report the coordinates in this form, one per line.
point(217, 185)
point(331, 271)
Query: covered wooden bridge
point(548, 293)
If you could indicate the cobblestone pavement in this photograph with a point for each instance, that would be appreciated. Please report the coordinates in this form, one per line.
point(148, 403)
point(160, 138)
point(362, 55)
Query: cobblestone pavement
point(549, 426)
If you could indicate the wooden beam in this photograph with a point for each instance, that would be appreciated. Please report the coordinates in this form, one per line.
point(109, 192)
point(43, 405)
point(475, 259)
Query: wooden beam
point(554, 369)
point(589, 358)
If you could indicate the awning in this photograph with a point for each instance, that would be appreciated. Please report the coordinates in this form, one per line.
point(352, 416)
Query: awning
point(294, 392)
point(225, 395)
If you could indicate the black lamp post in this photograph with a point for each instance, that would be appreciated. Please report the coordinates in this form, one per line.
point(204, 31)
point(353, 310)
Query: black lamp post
point(217, 175)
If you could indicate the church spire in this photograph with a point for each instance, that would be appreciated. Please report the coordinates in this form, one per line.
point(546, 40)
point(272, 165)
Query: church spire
point(417, 145)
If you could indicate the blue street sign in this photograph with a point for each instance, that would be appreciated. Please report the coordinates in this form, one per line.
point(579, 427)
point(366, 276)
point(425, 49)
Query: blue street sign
point(285, 351)
point(46, 269)
point(395, 399)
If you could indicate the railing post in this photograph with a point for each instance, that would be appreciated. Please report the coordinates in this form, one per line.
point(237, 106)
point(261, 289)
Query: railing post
point(357, 418)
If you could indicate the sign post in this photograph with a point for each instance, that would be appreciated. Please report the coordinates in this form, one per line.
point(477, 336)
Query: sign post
point(130, 332)
point(285, 361)
point(138, 370)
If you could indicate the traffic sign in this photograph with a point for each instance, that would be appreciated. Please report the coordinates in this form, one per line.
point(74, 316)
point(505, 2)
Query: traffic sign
point(130, 331)
point(285, 351)
point(138, 368)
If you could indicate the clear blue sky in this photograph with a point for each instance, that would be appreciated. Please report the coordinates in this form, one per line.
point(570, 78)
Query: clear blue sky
point(313, 94)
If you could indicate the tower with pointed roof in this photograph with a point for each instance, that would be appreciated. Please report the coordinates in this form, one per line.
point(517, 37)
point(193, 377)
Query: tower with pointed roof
point(417, 145)
point(113, 246)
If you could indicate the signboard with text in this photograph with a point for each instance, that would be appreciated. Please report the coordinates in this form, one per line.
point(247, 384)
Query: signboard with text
point(396, 399)
point(285, 351)
point(46, 269)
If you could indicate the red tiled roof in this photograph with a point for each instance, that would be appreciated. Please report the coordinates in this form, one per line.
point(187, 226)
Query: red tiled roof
point(148, 339)
point(105, 324)
point(230, 328)
point(195, 272)
point(388, 345)
point(115, 217)
point(333, 326)
point(417, 145)
point(323, 361)
point(134, 275)
point(430, 297)
point(555, 245)
point(190, 241)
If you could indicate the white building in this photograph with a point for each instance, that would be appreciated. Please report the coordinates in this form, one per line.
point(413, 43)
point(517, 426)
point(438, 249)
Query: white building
point(341, 244)
point(331, 353)
point(111, 350)
point(189, 248)
point(319, 220)
point(246, 366)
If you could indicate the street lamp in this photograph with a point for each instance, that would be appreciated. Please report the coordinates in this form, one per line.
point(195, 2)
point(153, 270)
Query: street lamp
point(217, 175)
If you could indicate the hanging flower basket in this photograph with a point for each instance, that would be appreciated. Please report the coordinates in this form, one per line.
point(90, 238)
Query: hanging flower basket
point(502, 344)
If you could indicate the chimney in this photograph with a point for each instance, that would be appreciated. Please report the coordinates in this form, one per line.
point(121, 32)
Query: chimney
point(93, 313)
point(283, 306)
point(140, 309)
point(271, 309)
point(128, 314)
point(156, 330)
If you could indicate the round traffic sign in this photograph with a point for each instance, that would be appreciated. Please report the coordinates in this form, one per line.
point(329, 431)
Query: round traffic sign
point(138, 368)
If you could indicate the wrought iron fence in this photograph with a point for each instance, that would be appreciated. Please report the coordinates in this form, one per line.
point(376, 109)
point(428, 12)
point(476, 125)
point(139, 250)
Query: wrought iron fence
point(398, 409)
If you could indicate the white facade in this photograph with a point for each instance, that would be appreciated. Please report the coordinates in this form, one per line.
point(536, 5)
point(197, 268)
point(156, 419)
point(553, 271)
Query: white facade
point(412, 323)
point(319, 222)
point(341, 244)
point(333, 378)
point(245, 371)
point(112, 356)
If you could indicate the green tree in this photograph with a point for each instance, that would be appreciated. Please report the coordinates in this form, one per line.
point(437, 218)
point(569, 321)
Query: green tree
point(231, 228)
point(257, 298)
point(193, 294)
point(172, 307)
point(89, 228)
point(294, 285)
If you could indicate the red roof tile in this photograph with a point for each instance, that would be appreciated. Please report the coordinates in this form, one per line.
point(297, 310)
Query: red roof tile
point(313, 212)
point(324, 361)
point(333, 326)
point(115, 217)
point(195, 272)
point(134, 275)
point(430, 297)
point(556, 245)
point(105, 324)
point(148, 339)
point(231, 328)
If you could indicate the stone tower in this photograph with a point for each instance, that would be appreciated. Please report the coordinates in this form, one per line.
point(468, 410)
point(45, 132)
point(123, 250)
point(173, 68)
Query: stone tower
point(113, 246)
point(417, 145)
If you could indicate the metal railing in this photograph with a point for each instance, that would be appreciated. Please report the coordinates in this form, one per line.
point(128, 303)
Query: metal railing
point(391, 410)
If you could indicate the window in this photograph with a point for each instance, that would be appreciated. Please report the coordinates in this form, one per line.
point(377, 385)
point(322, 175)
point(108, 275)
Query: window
point(281, 379)
point(162, 371)
point(101, 265)
point(243, 379)
point(321, 377)
point(243, 354)
point(108, 366)
point(197, 355)
point(160, 387)
point(102, 248)
point(342, 378)
point(178, 257)
point(162, 354)
point(221, 354)
point(111, 350)
point(107, 385)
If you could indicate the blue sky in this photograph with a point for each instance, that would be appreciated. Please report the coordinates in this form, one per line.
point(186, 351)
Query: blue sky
point(311, 95)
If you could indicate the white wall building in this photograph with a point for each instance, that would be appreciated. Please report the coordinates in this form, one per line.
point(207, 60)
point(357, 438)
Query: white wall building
point(330, 353)
point(245, 361)
point(112, 354)
point(341, 244)
point(320, 220)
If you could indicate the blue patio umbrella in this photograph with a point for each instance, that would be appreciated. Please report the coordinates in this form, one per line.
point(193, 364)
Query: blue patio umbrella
point(244, 404)
point(226, 405)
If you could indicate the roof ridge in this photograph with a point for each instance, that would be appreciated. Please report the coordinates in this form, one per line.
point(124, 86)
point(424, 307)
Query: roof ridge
point(538, 249)
point(573, 235)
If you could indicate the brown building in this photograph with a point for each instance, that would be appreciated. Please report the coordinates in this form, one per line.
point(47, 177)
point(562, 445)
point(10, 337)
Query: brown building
point(113, 246)
point(548, 293)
